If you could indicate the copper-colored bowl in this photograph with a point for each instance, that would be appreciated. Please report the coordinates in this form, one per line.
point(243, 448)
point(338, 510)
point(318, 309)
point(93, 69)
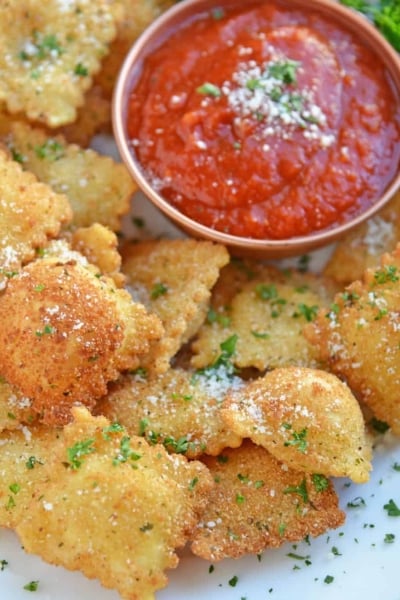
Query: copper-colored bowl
point(131, 70)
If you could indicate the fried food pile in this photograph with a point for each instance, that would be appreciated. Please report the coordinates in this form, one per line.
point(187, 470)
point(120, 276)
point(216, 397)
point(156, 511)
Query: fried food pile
point(161, 393)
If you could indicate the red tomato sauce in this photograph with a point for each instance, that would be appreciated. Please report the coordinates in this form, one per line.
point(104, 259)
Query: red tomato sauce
point(265, 122)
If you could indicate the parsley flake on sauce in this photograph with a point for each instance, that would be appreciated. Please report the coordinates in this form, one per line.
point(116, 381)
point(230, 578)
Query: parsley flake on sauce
point(209, 89)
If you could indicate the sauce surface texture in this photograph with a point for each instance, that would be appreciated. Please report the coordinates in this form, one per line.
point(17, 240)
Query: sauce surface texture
point(265, 122)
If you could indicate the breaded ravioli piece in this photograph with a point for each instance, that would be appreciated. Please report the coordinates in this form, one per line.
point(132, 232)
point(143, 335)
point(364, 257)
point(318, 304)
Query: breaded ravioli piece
point(100, 246)
point(179, 409)
point(23, 455)
point(114, 507)
point(31, 213)
point(173, 278)
point(98, 188)
point(258, 502)
point(67, 331)
point(359, 338)
point(363, 246)
point(307, 418)
point(49, 53)
point(267, 312)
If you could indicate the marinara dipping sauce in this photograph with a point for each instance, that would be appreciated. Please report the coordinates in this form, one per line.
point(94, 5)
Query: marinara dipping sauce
point(265, 122)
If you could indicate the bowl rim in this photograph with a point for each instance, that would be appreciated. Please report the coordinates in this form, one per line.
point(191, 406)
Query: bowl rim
point(156, 33)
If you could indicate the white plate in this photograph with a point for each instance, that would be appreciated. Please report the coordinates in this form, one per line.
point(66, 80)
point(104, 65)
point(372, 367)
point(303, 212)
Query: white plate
point(363, 565)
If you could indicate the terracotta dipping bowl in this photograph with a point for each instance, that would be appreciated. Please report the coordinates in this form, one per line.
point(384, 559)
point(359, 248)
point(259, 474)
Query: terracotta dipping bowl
point(156, 35)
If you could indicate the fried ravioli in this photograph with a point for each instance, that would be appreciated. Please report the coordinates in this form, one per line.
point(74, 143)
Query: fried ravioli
point(359, 338)
point(114, 507)
point(31, 213)
point(173, 278)
point(305, 417)
point(258, 502)
point(67, 331)
point(178, 408)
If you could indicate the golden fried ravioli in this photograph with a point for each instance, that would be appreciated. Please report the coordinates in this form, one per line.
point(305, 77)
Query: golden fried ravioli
point(266, 311)
point(49, 52)
point(67, 331)
point(173, 278)
point(178, 408)
point(363, 246)
point(31, 213)
point(98, 188)
point(305, 417)
point(114, 507)
point(258, 502)
point(359, 338)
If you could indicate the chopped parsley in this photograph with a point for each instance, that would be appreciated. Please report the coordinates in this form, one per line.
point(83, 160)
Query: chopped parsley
point(17, 156)
point(50, 149)
point(298, 556)
point(81, 70)
point(14, 488)
point(228, 349)
point(209, 89)
point(3, 564)
point(31, 462)
point(300, 490)
point(233, 581)
point(32, 586)
point(260, 335)
point(392, 509)
point(47, 330)
point(215, 317)
point(179, 446)
point(284, 71)
point(389, 538)
point(240, 499)
point(158, 290)
point(113, 428)
point(308, 312)
point(388, 273)
point(321, 483)
point(298, 440)
point(329, 579)
point(193, 483)
point(125, 452)
point(79, 450)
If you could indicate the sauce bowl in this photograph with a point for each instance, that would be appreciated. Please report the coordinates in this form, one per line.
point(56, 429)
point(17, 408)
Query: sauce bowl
point(189, 11)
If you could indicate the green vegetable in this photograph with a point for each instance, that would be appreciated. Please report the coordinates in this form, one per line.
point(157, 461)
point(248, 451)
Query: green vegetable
point(384, 14)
